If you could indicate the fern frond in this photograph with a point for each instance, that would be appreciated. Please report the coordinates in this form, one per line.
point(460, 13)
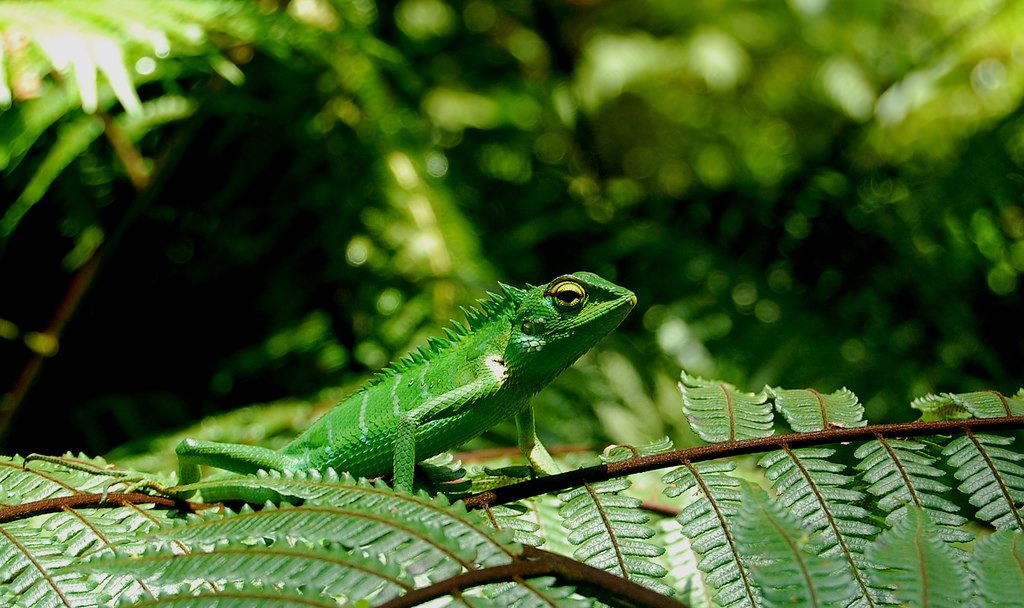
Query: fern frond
point(935, 408)
point(78, 52)
point(790, 571)
point(33, 571)
point(990, 477)
point(22, 482)
point(416, 533)
point(520, 518)
point(84, 39)
point(808, 410)
point(234, 598)
point(988, 404)
point(617, 453)
point(532, 522)
point(681, 562)
point(818, 492)
point(720, 412)
point(960, 406)
point(535, 592)
point(998, 568)
point(609, 530)
point(707, 521)
point(328, 571)
point(902, 476)
point(545, 511)
point(917, 566)
point(154, 113)
point(24, 124)
point(40, 556)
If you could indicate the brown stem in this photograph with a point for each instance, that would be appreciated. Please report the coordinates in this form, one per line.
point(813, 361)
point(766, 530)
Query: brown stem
point(112, 499)
point(610, 589)
point(602, 472)
point(132, 160)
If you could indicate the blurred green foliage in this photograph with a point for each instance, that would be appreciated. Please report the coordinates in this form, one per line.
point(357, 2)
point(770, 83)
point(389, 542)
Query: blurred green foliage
point(283, 196)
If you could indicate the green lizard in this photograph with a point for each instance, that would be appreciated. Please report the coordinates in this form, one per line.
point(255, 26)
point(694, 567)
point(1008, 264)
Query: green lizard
point(447, 393)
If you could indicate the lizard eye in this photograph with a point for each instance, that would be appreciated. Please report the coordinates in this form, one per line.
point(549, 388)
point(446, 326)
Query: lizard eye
point(567, 293)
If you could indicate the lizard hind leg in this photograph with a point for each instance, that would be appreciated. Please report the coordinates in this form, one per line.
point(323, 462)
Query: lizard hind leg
point(244, 459)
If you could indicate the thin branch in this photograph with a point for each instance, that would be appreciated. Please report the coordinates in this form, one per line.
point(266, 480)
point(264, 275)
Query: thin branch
point(610, 589)
point(110, 500)
point(132, 160)
point(602, 472)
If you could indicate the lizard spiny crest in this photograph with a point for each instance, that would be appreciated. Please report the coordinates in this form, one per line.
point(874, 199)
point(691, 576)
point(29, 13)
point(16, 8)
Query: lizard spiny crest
point(487, 310)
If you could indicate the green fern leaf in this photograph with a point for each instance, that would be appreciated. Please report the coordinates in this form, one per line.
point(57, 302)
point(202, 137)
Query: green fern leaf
point(988, 404)
point(520, 518)
point(34, 571)
point(234, 598)
point(155, 113)
point(413, 550)
point(40, 556)
point(618, 453)
point(960, 406)
point(820, 494)
point(539, 592)
point(720, 412)
point(77, 48)
point(89, 44)
point(990, 477)
point(322, 570)
point(39, 480)
point(532, 522)
point(608, 530)
point(346, 542)
point(920, 569)
point(902, 476)
point(416, 533)
point(84, 39)
point(681, 562)
point(939, 407)
point(807, 410)
point(540, 520)
point(998, 569)
point(790, 570)
point(707, 521)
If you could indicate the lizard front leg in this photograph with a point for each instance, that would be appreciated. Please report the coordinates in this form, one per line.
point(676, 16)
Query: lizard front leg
point(531, 446)
point(452, 403)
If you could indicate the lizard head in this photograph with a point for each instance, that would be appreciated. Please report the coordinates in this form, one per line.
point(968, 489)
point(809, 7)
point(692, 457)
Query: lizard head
point(554, 324)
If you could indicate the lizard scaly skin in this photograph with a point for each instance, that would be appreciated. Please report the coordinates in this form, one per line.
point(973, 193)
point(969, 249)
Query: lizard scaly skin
point(449, 392)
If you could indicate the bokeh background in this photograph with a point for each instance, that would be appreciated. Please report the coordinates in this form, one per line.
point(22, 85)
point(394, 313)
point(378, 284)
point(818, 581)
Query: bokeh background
point(211, 204)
